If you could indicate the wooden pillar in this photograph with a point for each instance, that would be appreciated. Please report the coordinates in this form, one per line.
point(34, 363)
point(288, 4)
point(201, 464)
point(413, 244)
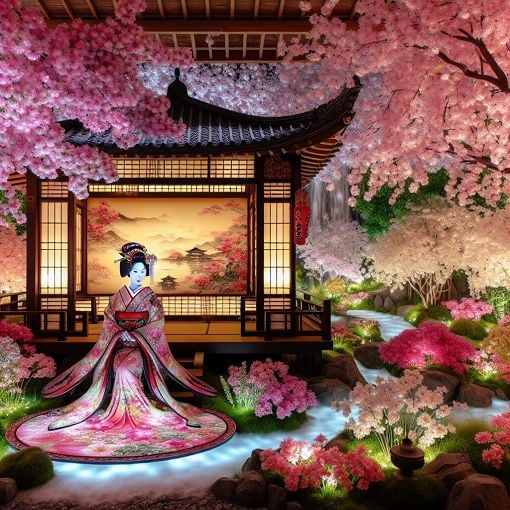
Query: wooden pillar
point(71, 262)
point(259, 287)
point(33, 244)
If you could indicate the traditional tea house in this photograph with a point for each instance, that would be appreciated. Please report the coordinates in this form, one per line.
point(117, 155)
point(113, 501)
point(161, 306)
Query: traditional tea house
point(168, 282)
point(196, 254)
point(262, 160)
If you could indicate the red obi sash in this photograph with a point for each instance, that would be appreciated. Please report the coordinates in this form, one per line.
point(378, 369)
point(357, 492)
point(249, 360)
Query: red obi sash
point(131, 320)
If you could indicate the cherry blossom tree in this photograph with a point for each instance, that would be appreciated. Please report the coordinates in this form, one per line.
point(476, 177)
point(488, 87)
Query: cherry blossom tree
point(13, 253)
point(75, 71)
point(425, 247)
point(338, 249)
point(256, 89)
point(435, 92)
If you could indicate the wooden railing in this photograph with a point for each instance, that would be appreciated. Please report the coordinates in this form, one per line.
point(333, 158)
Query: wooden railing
point(13, 300)
point(310, 316)
point(42, 322)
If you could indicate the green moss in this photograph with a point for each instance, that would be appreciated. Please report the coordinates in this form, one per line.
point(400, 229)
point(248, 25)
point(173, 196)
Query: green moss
point(492, 381)
point(246, 420)
point(364, 304)
point(30, 467)
point(366, 285)
point(327, 356)
point(330, 500)
point(499, 298)
point(420, 493)
point(469, 328)
point(420, 314)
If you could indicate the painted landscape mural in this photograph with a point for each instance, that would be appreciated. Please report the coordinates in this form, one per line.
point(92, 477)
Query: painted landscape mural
point(200, 243)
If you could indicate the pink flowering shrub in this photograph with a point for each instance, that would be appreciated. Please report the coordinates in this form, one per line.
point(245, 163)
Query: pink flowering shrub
point(341, 332)
point(504, 321)
point(19, 362)
point(468, 308)
point(304, 465)
point(267, 388)
point(498, 441)
point(396, 408)
point(431, 343)
point(355, 298)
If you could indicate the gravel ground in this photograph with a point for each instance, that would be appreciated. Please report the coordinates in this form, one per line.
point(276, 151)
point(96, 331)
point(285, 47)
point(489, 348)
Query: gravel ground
point(175, 502)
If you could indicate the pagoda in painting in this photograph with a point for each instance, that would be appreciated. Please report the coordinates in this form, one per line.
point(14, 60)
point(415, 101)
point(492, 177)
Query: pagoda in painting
point(168, 282)
point(197, 254)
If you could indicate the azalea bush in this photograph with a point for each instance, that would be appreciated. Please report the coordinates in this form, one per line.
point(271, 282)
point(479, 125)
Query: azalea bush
point(312, 466)
point(267, 388)
point(343, 338)
point(430, 344)
point(19, 364)
point(468, 308)
point(497, 441)
point(396, 408)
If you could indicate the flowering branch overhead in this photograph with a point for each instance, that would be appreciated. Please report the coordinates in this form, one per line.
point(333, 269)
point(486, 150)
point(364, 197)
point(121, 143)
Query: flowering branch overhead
point(76, 71)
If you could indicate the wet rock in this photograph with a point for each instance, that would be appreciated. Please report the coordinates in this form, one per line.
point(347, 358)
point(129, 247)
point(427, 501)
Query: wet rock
point(251, 490)
point(343, 367)
point(450, 468)
point(276, 497)
point(253, 463)
point(501, 394)
point(8, 490)
point(368, 355)
point(339, 442)
point(330, 390)
point(433, 379)
point(478, 492)
point(475, 396)
point(224, 488)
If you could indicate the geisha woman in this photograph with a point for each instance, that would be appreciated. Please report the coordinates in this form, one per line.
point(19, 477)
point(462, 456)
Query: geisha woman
point(131, 349)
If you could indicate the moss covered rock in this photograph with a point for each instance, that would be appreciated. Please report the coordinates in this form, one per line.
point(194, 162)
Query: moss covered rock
point(469, 328)
point(29, 468)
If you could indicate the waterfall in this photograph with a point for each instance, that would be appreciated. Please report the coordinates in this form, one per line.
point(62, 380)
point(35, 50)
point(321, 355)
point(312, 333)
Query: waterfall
point(329, 207)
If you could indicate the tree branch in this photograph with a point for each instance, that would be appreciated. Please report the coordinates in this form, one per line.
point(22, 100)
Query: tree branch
point(500, 80)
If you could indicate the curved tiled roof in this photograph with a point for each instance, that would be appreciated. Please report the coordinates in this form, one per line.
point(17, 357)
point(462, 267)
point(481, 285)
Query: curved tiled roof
point(215, 130)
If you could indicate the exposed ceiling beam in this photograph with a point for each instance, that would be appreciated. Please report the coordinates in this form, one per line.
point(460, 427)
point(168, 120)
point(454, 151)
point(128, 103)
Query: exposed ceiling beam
point(92, 8)
point(280, 8)
point(256, 9)
point(184, 8)
point(232, 8)
point(161, 8)
point(43, 9)
point(202, 26)
point(68, 9)
point(207, 9)
point(262, 43)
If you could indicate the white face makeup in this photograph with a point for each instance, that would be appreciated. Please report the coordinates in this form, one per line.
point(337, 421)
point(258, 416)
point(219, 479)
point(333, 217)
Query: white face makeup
point(137, 274)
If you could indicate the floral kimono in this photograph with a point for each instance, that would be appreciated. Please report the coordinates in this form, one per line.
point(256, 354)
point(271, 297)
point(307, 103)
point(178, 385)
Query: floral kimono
point(119, 364)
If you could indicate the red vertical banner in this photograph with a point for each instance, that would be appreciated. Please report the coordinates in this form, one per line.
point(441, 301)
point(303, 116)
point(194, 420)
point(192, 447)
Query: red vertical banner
point(301, 217)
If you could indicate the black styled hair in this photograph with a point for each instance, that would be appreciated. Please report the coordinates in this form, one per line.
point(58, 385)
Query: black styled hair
point(132, 253)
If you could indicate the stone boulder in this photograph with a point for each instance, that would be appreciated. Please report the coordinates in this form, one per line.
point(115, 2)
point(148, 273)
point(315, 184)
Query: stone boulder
point(450, 468)
point(379, 301)
point(368, 355)
point(330, 390)
point(475, 396)
point(8, 490)
point(389, 304)
point(251, 490)
point(478, 492)
point(402, 310)
point(276, 497)
point(398, 295)
point(253, 462)
point(343, 367)
point(433, 379)
point(224, 488)
point(339, 442)
point(501, 394)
